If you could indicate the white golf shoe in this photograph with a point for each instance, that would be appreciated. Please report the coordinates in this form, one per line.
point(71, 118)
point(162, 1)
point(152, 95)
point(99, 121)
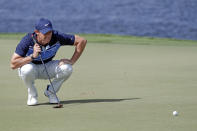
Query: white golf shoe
point(51, 96)
point(32, 100)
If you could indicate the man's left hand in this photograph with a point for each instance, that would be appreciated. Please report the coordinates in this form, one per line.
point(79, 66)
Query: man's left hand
point(65, 61)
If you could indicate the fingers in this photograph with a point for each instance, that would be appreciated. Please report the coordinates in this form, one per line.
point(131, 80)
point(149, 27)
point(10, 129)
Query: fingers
point(65, 61)
point(37, 50)
point(61, 63)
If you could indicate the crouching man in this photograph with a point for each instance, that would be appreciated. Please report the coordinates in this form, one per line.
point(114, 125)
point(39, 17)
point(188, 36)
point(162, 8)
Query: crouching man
point(47, 42)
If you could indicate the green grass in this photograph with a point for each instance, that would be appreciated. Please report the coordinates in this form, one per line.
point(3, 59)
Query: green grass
point(117, 39)
point(114, 87)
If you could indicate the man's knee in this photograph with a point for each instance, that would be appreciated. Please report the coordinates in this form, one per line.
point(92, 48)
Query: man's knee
point(64, 70)
point(27, 70)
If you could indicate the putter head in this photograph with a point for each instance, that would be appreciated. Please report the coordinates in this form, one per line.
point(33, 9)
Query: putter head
point(58, 106)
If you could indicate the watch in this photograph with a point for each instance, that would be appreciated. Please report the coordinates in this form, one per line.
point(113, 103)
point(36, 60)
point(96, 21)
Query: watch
point(32, 57)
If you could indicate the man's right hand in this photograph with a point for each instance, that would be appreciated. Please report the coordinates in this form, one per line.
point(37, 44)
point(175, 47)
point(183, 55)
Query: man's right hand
point(37, 50)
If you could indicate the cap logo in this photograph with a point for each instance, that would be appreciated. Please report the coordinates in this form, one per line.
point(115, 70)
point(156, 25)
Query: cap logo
point(46, 24)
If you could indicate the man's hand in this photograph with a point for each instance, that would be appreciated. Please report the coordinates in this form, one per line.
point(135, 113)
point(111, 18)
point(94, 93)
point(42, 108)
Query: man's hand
point(65, 61)
point(37, 50)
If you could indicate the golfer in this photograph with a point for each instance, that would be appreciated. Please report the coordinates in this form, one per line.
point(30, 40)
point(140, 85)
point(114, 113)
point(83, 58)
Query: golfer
point(48, 41)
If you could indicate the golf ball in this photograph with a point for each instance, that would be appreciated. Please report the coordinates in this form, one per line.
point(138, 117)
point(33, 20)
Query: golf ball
point(175, 113)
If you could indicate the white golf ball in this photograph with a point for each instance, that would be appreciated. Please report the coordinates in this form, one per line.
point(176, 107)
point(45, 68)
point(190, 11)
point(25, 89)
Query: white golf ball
point(175, 113)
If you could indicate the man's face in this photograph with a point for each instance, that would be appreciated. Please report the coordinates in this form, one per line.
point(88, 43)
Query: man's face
point(44, 38)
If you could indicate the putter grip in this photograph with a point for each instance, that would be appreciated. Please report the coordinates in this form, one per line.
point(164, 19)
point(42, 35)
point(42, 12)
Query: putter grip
point(35, 41)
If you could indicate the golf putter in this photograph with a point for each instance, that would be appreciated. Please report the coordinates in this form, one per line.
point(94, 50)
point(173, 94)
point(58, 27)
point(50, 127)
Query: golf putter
point(53, 92)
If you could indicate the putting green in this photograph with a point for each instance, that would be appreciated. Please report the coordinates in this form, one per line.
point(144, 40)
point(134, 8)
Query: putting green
point(113, 87)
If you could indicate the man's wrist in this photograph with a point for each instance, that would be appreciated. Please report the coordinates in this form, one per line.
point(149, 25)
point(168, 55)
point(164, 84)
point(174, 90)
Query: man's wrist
point(32, 57)
point(72, 61)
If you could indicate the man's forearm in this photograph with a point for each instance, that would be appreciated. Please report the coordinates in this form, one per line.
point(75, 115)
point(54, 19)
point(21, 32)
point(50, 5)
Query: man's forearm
point(78, 51)
point(20, 62)
point(76, 56)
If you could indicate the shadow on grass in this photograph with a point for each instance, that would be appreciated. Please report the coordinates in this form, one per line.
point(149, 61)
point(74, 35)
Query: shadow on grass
point(91, 101)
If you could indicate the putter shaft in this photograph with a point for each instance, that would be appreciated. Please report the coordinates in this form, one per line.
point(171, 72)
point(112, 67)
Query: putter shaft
point(49, 80)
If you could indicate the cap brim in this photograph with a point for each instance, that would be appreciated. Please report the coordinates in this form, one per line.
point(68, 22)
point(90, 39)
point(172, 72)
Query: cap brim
point(44, 31)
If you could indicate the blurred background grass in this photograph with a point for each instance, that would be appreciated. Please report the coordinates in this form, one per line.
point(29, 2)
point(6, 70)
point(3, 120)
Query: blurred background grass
point(116, 39)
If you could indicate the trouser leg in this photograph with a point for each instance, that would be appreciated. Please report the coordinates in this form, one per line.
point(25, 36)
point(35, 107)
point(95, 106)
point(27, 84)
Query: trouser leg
point(27, 74)
point(59, 73)
point(63, 72)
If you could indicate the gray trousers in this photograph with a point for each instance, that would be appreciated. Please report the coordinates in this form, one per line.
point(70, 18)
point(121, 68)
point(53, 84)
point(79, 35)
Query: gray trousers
point(30, 72)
